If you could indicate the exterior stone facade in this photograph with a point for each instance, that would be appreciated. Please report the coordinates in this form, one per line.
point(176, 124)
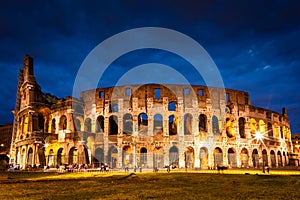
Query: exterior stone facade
point(148, 126)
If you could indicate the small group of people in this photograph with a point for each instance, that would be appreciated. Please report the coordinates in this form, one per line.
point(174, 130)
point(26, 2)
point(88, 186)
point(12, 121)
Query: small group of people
point(104, 167)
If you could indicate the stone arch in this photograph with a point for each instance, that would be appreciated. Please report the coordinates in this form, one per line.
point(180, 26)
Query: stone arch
point(218, 157)
point(99, 157)
point(203, 158)
point(189, 157)
point(143, 157)
point(62, 123)
point(73, 156)
point(77, 123)
point(270, 129)
point(244, 157)
point(265, 157)
point(262, 126)
point(242, 123)
point(127, 124)
point(232, 160)
point(60, 158)
point(173, 125)
point(100, 124)
point(113, 125)
point(127, 156)
point(88, 125)
point(157, 124)
point(273, 158)
point(174, 156)
point(112, 157)
point(53, 125)
point(158, 157)
point(202, 122)
point(188, 124)
point(30, 156)
point(172, 106)
point(253, 126)
point(215, 125)
point(279, 158)
point(255, 158)
point(229, 127)
point(143, 124)
point(276, 130)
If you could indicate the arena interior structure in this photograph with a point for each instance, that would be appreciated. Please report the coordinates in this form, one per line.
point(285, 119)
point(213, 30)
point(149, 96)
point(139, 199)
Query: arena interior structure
point(146, 126)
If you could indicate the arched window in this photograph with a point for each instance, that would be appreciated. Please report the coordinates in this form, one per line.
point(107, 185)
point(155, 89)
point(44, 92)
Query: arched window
point(63, 123)
point(202, 122)
point(53, 124)
point(172, 106)
point(127, 124)
point(113, 125)
point(242, 127)
point(270, 130)
point(88, 125)
point(172, 125)
point(188, 124)
point(41, 122)
point(100, 124)
point(215, 125)
point(114, 107)
point(77, 124)
point(158, 123)
point(143, 124)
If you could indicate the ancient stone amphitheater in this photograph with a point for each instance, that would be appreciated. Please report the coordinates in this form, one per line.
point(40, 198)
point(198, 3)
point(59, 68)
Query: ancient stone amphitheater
point(147, 126)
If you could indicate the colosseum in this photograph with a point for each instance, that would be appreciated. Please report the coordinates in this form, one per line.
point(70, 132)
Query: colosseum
point(147, 126)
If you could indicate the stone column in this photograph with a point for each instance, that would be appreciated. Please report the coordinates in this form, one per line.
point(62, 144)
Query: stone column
point(120, 153)
point(197, 157)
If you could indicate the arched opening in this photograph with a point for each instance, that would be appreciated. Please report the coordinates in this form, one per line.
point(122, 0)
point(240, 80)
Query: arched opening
point(189, 157)
point(158, 124)
point(30, 156)
point(255, 158)
point(276, 130)
point(53, 124)
point(100, 124)
point(51, 160)
point(270, 130)
point(244, 158)
point(73, 156)
point(273, 158)
point(99, 157)
point(127, 124)
point(215, 125)
point(42, 157)
point(60, 159)
point(172, 125)
point(229, 127)
point(41, 122)
point(85, 157)
point(232, 157)
point(113, 125)
point(218, 157)
point(63, 123)
point(188, 124)
point(172, 106)
point(77, 124)
point(253, 126)
point(279, 158)
point(265, 157)
point(88, 125)
point(158, 157)
point(143, 124)
point(203, 158)
point(114, 107)
point(127, 156)
point(173, 156)
point(202, 122)
point(242, 127)
point(262, 126)
point(112, 157)
point(143, 157)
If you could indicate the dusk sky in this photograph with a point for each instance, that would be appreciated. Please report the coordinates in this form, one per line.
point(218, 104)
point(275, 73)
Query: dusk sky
point(255, 44)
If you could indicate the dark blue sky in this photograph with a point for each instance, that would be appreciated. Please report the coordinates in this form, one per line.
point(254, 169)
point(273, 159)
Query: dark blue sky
point(255, 44)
